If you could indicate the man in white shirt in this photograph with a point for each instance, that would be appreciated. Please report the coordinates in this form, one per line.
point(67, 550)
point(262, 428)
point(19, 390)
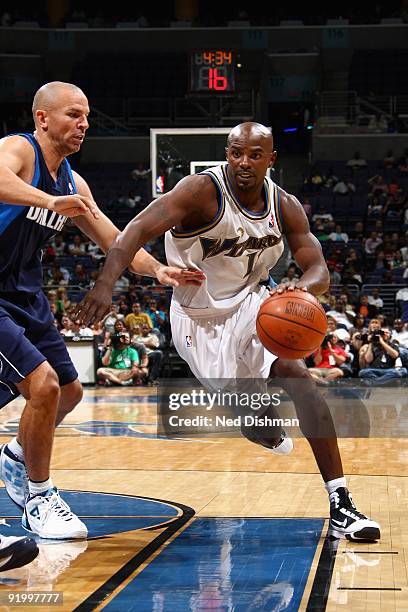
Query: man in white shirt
point(375, 300)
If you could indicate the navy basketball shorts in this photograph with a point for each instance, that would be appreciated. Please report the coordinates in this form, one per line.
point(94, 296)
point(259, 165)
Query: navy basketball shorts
point(28, 337)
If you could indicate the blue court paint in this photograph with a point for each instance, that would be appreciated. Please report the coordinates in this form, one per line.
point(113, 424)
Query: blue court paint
point(227, 564)
point(104, 514)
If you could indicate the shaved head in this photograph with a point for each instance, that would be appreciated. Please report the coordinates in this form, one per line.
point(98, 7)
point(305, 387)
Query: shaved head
point(250, 129)
point(49, 95)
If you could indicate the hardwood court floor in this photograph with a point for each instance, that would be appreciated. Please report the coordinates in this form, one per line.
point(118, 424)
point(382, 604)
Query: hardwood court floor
point(247, 502)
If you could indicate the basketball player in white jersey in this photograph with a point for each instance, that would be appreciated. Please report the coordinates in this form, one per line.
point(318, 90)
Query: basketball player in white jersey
point(229, 222)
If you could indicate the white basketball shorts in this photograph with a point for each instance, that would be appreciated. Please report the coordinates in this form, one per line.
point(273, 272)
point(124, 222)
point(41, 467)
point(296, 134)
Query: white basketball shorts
point(222, 344)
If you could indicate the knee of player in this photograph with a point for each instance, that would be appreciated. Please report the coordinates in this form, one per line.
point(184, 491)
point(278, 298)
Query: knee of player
point(50, 389)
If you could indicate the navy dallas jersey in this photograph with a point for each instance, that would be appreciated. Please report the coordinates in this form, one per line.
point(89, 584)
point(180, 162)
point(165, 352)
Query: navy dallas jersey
point(28, 336)
point(24, 231)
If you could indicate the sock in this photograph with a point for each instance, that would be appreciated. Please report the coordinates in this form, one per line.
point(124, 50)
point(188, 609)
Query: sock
point(16, 449)
point(39, 487)
point(332, 485)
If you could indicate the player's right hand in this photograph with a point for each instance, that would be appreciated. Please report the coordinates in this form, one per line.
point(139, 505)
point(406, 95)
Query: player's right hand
point(73, 206)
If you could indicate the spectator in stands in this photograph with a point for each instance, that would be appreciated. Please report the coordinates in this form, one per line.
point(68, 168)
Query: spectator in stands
point(344, 187)
point(327, 360)
point(400, 333)
point(352, 259)
point(291, 275)
point(359, 326)
point(122, 284)
point(137, 317)
point(331, 179)
point(401, 299)
point(77, 247)
point(157, 316)
point(141, 176)
point(378, 359)
point(356, 162)
point(151, 342)
point(365, 308)
point(378, 187)
point(131, 201)
point(357, 233)
point(341, 315)
point(338, 235)
point(80, 276)
point(66, 329)
point(95, 252)
point(57, 276)
point(321, 232)
point(81, 331)
point(322, 215)
point(389, 160)
point(307, 207)
point(63, 300)
point(111, 318)
point(352, 276)
point(335, 278)
point(376, 301)
point(372, 243)
point(375, 208)
point(121, 364)
point(59, 245)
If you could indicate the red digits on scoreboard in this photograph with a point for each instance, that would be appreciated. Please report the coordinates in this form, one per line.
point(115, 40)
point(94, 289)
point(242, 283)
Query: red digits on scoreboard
point(216, 81)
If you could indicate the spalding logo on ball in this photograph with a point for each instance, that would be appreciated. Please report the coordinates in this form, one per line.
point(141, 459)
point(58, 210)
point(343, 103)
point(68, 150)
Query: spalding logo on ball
point(291, 325)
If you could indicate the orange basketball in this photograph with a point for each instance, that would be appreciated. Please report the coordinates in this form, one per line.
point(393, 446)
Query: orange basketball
point(291, 325)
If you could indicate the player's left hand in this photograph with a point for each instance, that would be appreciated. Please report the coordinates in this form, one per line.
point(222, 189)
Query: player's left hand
point(286, 287)
point(175, 277)
point(95, 305)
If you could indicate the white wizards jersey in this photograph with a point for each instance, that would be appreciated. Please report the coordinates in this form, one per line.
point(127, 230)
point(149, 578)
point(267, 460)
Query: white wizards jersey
point(235, 251)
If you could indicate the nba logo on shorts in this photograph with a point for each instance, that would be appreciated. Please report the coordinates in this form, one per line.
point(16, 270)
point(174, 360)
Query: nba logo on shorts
point(189, 341)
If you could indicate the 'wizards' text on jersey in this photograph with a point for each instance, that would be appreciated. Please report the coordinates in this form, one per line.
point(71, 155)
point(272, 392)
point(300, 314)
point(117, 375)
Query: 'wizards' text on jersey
point(24, 230)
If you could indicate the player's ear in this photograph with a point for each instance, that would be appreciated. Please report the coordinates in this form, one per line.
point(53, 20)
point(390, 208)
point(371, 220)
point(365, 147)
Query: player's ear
point(226, 152)
point(272, 159)
point(41, 118)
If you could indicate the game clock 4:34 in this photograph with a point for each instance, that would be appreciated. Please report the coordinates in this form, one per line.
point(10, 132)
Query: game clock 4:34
point(212, 71)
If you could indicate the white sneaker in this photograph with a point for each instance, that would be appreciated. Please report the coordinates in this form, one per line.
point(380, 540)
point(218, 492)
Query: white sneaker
point(14, 475)
point(16, 552)
point(50, 517)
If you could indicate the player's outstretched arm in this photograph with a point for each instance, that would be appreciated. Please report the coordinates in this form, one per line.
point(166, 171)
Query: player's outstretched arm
point(189, 196)
point(103, 232)
point(304, 246)
point(17, 160)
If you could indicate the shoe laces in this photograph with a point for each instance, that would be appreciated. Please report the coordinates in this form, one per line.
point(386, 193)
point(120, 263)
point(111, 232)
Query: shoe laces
point(57, 506)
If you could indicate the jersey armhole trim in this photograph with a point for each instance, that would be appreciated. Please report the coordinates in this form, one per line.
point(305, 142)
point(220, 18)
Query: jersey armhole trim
point(277, 205)
point(71, 176)
point(217, 218)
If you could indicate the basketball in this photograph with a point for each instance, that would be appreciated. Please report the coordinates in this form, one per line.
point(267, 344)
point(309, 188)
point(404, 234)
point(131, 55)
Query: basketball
point(291, 325)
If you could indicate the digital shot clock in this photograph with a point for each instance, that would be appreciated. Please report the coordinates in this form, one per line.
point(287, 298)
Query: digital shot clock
point(212, 71)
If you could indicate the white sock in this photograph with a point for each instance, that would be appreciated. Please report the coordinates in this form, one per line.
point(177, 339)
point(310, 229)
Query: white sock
point(39, 487)
point(332, 485)
point(16, 449)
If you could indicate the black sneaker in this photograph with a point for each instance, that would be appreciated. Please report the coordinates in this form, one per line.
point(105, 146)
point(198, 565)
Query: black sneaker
point(16, 552)
point(345, 520)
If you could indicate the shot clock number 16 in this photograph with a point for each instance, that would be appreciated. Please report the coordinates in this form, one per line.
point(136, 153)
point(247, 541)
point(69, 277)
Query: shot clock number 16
point(212, 71)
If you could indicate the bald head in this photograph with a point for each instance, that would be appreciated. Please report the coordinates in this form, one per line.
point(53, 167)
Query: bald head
point(250, 130)
point(49, 95)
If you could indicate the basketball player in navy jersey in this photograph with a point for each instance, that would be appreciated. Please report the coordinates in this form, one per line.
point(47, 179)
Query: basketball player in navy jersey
point(229, 222)
point(38, 192)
